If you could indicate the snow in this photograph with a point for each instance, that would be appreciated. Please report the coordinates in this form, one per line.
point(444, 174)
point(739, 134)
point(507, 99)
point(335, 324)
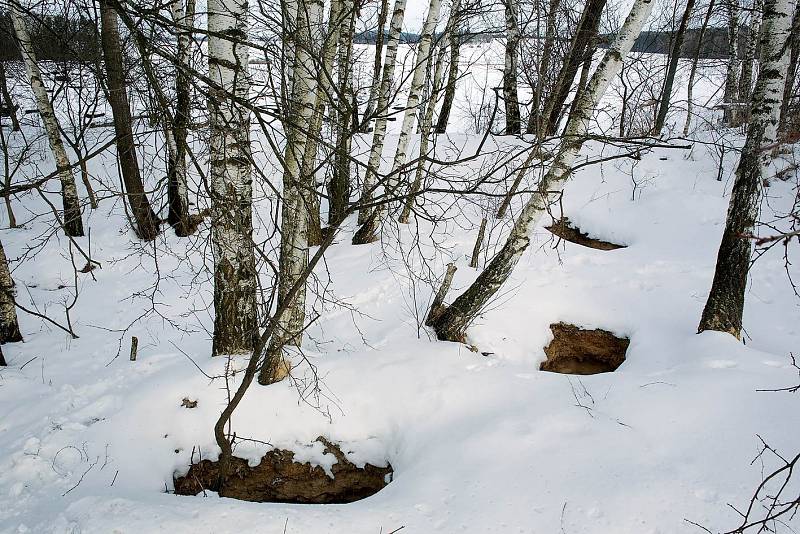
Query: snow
point(90, 440)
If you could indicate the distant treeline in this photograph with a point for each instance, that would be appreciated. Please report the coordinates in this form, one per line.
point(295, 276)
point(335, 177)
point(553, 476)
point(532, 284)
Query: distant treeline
point(714, 45)
point(55, 38)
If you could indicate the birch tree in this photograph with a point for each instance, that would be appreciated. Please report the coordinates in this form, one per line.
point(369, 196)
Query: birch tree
point(383, 11)
point(9, 326)
point(339, 186)
point(177, 188)
point(731, 95)
point(8, 103)
point(145, 221)
point(235, 321)
point(294, 213)
point(381, 110)
point(791, 73)
point(693, 70)
point(453, 322)
point(725, 304)
point(753, 35)
point(510, 91)
point(534, 118)
point(368, 231)
point(72, 222)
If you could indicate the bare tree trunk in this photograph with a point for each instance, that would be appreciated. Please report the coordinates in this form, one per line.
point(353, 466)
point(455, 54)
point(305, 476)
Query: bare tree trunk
point(339, 187)
point(510, 93)
point(379, 134)
point(672, 68)
point(725, 304)
point(294, 218)
point(695, 60)
point(453, 322)
point(454, 42)
point(383, 13)
point(235, 283)
point(791, 74)
point(9, 327)
point(731, 95)
point(7, 102)
point(534, 119)
point(177, 188)
point(585, 32)
point(331, 40)
point(146, 222)
point(368, 231)
point(753, 35)
point(73, 224)
point(424, 141)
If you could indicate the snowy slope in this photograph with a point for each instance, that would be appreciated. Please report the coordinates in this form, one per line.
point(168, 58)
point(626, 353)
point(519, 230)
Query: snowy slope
point(90, 441)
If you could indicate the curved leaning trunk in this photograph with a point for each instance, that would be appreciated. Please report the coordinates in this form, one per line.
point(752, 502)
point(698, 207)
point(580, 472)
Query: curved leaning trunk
point(725, 304)
point(235, 285)
point(453, 322)
point(382, 107)
point(72, 222)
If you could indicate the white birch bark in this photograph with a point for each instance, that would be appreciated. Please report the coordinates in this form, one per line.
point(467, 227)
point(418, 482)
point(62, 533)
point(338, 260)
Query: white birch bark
point(417, 84)
point(424, 134)
point(294, 219)
point(373, 166)
point(72, 222)
point(452, 324)
point(510, 92)
point(235, 324)
point(9, 326)
point(753, 35)
point(731, 95)
point(725, 305)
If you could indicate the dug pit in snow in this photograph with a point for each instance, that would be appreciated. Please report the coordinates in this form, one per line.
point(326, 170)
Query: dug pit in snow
point(583, 352)
point(564, 229)
point(278, 478)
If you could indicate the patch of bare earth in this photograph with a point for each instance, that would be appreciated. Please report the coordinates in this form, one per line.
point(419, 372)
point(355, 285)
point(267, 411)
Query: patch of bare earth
point(577, 351)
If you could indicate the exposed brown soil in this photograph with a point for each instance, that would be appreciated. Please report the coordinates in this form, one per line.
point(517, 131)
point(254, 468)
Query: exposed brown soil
point(564, 229)
point(577, 351)
point(278, 478)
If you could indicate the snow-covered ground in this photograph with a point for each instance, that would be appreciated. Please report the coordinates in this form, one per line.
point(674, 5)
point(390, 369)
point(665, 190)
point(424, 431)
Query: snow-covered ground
point(479, 443)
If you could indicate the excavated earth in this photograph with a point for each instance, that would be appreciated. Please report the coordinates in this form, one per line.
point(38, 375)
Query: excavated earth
point(577, 351)
point(564, 229)
point(278, 478)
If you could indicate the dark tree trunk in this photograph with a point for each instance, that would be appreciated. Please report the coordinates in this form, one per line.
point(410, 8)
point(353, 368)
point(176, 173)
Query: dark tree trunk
point(725, 304)
point(177, 198)
point(383, 15)
point(454, 42)
point(146, 222)
point(695, 60)
point(731, 95)
point(585, 33)
point(535, 117)
point(672, 68)
point(7, 102)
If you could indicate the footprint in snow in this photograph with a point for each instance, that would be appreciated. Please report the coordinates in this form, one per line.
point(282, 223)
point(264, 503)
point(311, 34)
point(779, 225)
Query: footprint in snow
point(721, 364)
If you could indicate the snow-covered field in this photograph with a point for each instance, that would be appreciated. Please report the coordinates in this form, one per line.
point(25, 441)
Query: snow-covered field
point(89, 441)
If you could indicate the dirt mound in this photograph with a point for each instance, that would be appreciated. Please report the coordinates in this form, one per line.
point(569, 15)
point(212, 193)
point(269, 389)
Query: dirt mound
point(583, 352)
point(564, 229)
point(278, 478)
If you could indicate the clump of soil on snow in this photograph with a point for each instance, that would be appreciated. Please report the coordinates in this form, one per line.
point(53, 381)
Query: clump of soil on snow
point(278, 478)
point(564, 229)
point(577, 351)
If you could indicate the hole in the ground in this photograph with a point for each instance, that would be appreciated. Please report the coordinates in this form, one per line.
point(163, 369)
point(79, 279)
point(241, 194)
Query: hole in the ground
point(564, 229)
point(577, 351)
point(278, 478)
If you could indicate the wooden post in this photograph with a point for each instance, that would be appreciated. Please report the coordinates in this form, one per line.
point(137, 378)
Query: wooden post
point(134, 347)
